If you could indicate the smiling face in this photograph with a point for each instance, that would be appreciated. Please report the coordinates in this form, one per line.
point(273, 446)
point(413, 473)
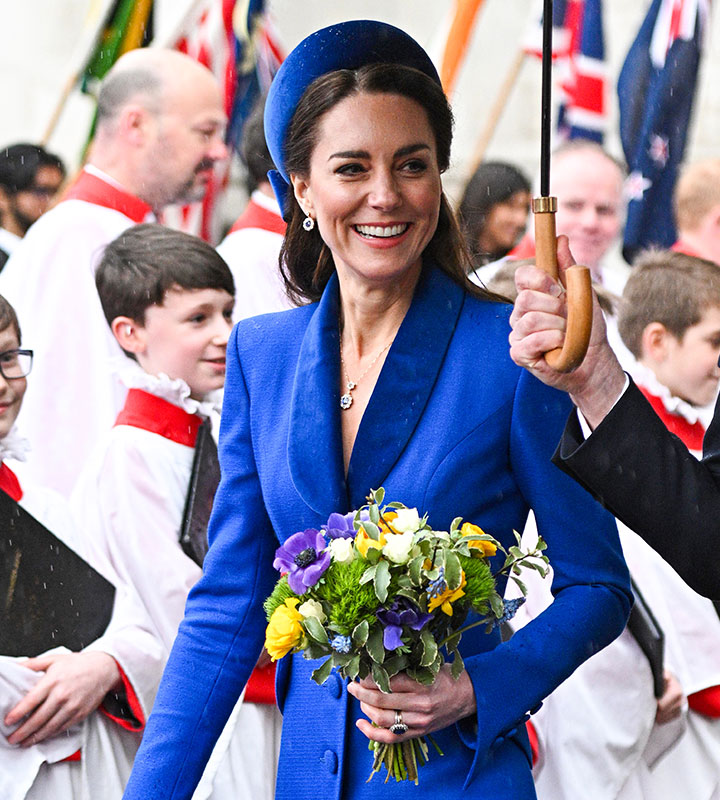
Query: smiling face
point(186, 336)
point(374, 187)
point(11, 391)
point(588, 186)
point(505, 223)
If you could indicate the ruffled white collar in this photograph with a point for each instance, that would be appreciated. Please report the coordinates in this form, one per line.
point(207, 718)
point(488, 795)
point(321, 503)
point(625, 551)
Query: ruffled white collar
point(14, 446)
point(645, 377)
point(173, 390)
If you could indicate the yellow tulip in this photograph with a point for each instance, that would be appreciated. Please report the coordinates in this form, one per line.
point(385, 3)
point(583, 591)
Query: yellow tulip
point(284, 630)
point(363, 542)
point(487, 548)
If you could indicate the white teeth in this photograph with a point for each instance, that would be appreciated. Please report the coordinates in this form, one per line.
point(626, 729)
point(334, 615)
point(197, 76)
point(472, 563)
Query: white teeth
point(383, 233)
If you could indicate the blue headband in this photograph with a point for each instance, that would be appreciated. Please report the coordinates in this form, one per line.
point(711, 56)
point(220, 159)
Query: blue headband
point(348, 45)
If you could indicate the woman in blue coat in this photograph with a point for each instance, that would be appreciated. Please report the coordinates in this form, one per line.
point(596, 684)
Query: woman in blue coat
point(396, 374)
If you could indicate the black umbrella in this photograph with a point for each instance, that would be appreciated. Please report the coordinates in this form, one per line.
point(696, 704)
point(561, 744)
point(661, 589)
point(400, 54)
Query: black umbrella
point(577, 279)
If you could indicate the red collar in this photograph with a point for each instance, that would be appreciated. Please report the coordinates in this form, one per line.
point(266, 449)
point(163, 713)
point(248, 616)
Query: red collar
point(257, 216)
point(9, 483)
point(152, 413)
point(681, 246)
point(95, 190)
point(525, 248)
point(691, 435)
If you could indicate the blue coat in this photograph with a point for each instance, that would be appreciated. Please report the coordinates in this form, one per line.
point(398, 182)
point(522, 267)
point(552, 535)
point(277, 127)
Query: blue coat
point(454, 428)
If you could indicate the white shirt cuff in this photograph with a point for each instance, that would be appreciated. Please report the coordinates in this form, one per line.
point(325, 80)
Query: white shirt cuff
point(584, 426)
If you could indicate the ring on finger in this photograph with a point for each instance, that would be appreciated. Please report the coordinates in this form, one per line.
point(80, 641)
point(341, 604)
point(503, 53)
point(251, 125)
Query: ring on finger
point(398, 727)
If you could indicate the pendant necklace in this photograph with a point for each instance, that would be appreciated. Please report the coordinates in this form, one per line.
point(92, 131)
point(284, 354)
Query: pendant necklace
point(347, 399)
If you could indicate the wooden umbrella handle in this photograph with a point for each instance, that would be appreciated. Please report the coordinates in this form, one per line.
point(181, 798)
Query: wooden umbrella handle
point(578, 285)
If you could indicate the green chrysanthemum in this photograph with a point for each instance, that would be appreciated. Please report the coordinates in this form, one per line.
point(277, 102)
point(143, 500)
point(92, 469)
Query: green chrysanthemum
point(480, 583)
point(279, 595)
point(349, 602)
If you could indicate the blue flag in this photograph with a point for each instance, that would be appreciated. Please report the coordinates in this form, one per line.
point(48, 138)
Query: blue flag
point(656, 90)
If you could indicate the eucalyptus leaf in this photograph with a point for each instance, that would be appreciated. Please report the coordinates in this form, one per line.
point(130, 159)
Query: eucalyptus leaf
point(415, 570)
point(372, 530)
point(382, 580)
point(521, 585)
point(455, 524)
point(381, 678)
point(430, 648)
point(379, 495)
point(458, 665)
point(368, 575)
point(353, 667)
point(360, 633)
point(374, 512)
point(453, 570)
point(374, 645)
point(315, 629)
point(322, 673)
point(496, 604)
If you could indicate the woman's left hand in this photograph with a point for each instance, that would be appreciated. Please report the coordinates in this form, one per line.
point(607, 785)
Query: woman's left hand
point(424, 709)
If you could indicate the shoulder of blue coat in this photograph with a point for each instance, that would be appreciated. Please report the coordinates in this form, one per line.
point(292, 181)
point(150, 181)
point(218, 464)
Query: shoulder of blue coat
point(278, 325)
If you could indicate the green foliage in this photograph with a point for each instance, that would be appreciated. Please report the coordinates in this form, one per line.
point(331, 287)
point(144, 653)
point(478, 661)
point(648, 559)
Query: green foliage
point(348, 601)
point(479, 582)
point(279, 595)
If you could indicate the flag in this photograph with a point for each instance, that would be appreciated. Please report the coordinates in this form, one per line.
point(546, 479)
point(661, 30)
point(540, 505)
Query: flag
point(583, 107)
point(578, 53)
point(234, 40)
point(258, 57)
point(128, 26)
point(656, 90)
point(456, 44)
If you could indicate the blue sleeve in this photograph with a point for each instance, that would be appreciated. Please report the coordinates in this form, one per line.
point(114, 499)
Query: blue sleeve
point(221, 636)
point(590, 585)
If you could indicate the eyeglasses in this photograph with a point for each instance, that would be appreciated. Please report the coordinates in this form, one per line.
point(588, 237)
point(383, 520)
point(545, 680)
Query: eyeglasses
point(15, 364)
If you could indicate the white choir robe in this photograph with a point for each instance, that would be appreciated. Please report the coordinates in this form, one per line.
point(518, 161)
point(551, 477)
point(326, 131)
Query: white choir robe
point(72, 397)
point(252, 255)
point(593, 728)
point(132, 493)
point(691, 768)
point(107, 748)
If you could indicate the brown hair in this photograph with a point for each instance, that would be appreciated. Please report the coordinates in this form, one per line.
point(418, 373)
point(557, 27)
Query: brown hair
point(697, 191)
point(306, 262)
point(673, 289)
point(8, 318)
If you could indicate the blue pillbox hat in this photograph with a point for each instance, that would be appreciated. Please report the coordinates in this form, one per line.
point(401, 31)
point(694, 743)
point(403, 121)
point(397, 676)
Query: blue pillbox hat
point(347, 45)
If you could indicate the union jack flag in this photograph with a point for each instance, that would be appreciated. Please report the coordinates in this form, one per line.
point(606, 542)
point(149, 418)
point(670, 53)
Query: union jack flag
point(579, 59)
point(656, 90)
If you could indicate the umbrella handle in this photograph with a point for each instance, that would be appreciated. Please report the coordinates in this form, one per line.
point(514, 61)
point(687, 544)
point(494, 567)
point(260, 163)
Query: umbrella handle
point(578, 285)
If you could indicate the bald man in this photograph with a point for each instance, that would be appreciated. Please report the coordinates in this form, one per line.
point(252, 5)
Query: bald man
point(697, 210)
point(588, 183)
point(160, 128)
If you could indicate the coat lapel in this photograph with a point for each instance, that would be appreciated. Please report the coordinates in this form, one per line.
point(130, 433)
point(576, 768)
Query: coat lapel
point(405, 383)
point(314, 439)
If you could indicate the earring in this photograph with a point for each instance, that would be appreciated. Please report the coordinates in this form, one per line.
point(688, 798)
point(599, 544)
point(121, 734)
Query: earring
point(308, 223)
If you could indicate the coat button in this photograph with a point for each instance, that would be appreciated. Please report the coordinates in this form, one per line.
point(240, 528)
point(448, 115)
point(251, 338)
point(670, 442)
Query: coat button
point(335, 685)
point(331, 761)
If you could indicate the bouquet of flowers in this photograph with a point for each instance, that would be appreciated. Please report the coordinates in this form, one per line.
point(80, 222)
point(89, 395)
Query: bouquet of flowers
point(378, 591)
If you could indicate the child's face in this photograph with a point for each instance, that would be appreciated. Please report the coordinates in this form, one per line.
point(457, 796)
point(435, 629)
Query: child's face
point(11, 391)
point(690, 368)
point(185, 337)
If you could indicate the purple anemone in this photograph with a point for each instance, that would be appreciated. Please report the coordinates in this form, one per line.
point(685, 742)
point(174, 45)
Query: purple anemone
point(401, 612)
point(340, 526)
point(304, 557)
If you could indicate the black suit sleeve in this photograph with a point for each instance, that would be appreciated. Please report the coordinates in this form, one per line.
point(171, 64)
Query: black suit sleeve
point(647, 477)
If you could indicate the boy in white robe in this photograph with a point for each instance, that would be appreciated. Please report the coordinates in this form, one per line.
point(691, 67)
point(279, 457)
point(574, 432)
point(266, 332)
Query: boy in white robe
point(168, 298)
point(70, 722)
